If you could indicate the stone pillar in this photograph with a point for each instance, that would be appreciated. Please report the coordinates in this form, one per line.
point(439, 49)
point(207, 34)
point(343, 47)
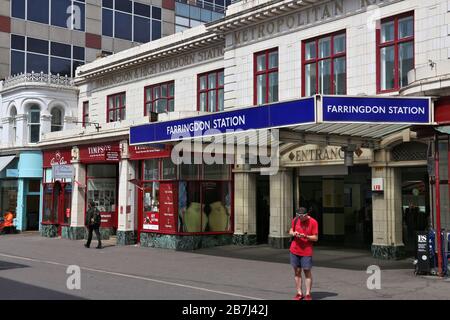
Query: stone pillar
point(22, 129)
point(281, 208)
point(387, 215)
point(76, 231)
point(244, 208)
point(21, 217)
point(126, 233)
point(6, 132)
point(46, 124)
point(333, 209)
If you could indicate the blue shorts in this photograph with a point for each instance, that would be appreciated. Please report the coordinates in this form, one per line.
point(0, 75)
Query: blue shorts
point(301, 262)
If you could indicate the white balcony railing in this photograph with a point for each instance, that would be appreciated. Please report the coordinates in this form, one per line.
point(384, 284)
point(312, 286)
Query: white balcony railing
point(41, 78)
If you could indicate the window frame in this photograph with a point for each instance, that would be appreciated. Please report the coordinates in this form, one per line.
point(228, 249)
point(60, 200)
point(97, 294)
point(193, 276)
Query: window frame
point(266, 72)
point(207, 90)
point(30, 124)
point(153, 101)
point(396, 44)
point(85, 114)
point(150, 19)
point(122, 106)
point(49, 55)
point(49, 23)
point(60, 126)
point(332, 57)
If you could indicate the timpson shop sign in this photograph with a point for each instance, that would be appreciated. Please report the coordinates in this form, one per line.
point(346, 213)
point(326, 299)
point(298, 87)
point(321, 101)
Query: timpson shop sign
point(325, 12)
point(160, 67)
point(313, 155)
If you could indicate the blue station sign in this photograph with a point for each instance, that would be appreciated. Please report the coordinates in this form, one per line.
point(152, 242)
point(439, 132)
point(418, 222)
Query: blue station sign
point(376, 109)
point(316, 109)
point(275, 115)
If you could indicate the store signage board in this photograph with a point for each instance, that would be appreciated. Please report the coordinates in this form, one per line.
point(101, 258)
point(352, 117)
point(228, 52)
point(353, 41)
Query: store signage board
point(376, 109)
point(12, 173)
point(63, 171)
point(377, 184)
point(260, 117)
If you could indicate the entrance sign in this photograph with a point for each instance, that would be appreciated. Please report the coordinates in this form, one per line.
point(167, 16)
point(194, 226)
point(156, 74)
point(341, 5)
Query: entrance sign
point(63, 171)
point(260, 117)
point(376, 109)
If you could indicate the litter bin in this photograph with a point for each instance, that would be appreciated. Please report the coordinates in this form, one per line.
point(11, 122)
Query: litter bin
point(423, 263)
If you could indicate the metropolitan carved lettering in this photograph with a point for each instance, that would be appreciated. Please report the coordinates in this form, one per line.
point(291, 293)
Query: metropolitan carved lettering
point(160, 67)
point(327, 11)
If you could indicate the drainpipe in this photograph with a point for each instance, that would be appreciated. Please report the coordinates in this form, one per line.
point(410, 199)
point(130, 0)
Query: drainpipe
point(438, 205)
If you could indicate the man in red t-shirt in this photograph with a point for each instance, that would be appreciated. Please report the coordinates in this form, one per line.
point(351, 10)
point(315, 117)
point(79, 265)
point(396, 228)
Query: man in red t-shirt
point(305, 231)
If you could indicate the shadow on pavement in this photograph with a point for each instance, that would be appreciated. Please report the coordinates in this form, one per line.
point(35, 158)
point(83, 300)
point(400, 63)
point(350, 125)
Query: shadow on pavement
point(14, 290)
point(9, 265)
point(319, 295)
point(326, 257)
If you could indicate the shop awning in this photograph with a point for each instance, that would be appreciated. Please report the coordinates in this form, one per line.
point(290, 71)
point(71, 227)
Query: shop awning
point(361, 119)
point(4, 161)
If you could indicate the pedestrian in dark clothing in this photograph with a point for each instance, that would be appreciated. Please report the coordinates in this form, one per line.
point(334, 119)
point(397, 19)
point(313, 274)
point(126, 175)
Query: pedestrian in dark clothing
point(93, 220)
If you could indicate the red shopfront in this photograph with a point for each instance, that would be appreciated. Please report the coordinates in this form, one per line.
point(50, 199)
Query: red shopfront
point(57, 193)
point(182, 199)
point(102, 167)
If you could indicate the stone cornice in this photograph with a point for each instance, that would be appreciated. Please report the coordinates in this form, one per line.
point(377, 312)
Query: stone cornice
point(206, 39)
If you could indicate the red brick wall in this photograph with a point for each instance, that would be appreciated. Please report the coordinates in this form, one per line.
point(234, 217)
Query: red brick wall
point(93, 41)
point(168, 4)
point(5, 24)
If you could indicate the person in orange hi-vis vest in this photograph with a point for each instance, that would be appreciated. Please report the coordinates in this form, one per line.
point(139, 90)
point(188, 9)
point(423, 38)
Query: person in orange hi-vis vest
point(8, 224)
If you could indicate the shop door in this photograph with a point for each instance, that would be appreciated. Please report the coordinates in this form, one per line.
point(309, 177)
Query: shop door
point(57, 192)
point(262, 209)
point(415, 205)
point(33, 212)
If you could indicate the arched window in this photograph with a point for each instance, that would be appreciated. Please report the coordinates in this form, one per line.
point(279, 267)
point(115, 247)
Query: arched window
point(13, 132)
point(57, 121)
point(34, 124)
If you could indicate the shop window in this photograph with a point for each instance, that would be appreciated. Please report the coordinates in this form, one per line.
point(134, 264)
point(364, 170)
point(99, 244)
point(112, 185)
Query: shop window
point(168, 169)
point(190, 172)
point(48, 215)
point(324, 65)
point(102, 187)
point(395, 52)
point(211, 91)
point(204, 206)
point(8, 196)
point(159, 98)
point(34, 124)
point(201, 196)
point(85, 119)
point(57, 120)
point(266, 76)
point(116, 107)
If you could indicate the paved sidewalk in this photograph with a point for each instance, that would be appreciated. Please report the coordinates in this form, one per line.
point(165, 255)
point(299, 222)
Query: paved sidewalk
point(33, 267)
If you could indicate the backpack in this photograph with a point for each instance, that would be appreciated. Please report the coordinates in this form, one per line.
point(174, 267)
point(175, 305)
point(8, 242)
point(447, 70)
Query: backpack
point(97, 217)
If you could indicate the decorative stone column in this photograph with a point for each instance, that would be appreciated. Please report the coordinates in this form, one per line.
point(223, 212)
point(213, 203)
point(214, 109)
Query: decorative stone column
point(6, 132)
point(22, 130)
point(126, 233)
point(281, 208)
point(77, 229)
point(244, 208)
point(387, 214)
